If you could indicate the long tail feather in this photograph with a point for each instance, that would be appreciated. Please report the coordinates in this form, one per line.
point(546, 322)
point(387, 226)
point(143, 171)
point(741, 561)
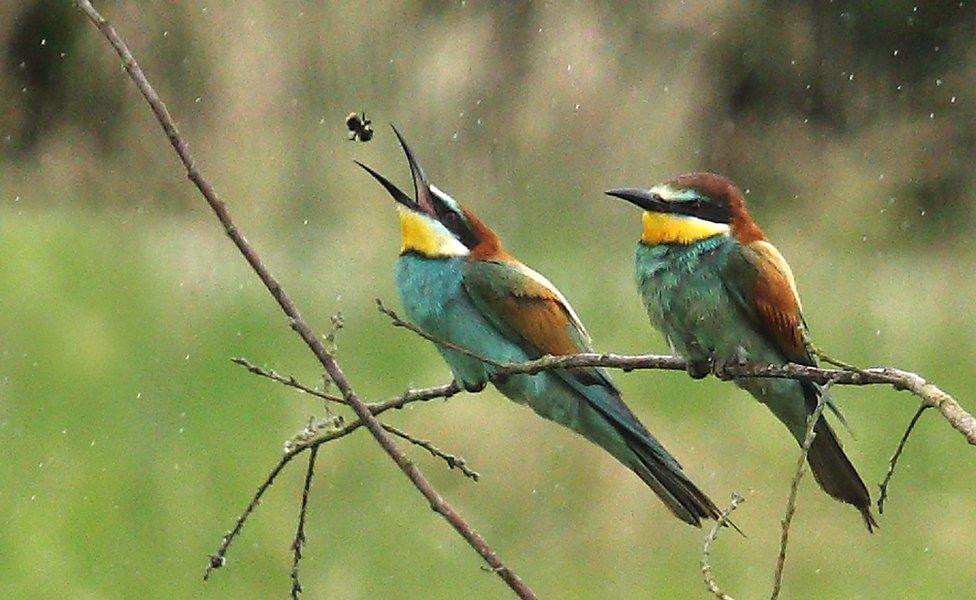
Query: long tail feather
point(678, 493)
point(835, 473)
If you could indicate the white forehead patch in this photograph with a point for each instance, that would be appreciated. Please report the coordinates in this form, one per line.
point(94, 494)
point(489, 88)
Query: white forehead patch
point(669, 193)
point(445, 198)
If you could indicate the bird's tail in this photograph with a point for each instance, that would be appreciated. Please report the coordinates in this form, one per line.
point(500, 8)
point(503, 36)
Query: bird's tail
point(835, 473)
point(604, 419)
point(670, 483)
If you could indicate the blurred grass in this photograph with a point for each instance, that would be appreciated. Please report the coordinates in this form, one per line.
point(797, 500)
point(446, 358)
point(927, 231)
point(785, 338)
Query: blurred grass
point(131, 442)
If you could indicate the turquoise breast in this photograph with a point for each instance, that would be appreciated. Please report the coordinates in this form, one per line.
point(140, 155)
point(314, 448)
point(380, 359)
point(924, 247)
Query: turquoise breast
point(433, 297)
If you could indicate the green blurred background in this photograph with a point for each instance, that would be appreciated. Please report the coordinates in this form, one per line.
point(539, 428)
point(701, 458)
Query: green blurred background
point(130, 442)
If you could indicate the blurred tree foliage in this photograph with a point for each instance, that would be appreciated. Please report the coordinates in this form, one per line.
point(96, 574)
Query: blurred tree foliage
point(776, 79)
point(44, 92)
point(901, 54)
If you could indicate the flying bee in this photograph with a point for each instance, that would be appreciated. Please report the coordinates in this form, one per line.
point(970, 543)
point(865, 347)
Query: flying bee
point(360, 128)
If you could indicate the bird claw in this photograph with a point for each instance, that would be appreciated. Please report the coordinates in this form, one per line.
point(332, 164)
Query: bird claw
point(718, 369)
point(697, 369)
point(474, 388)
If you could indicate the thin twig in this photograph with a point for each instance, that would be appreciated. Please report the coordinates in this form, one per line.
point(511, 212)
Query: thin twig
point(408, 397)
point(314, 438)
point(794, 488)
point(398, 322)
point(883, 494)
point(299, 543)
point(451, 460)
point(706, 568)
point(219, 558)
point(285, 380)
point(297, 322)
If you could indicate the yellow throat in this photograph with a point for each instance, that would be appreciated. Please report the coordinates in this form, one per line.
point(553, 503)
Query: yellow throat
point(427, 237)
point(665, 228)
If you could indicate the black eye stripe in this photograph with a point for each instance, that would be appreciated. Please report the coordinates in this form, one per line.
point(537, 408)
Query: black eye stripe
point(709, 211)
point(456, 224)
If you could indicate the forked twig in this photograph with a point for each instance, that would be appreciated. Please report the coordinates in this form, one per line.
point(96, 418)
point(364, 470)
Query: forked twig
point(706, 567)
point(453, 461)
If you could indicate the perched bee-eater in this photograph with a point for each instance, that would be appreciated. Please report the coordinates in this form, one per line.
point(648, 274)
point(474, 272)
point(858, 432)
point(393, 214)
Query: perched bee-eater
point(456, 283)
point(721, 293)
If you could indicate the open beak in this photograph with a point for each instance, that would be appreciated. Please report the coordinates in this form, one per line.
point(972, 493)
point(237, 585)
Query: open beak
point(424, 202)
point(645, 199)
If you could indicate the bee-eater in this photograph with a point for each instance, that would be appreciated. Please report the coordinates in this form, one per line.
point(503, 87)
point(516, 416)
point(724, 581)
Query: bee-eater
point(456, 283)
point(720, 292)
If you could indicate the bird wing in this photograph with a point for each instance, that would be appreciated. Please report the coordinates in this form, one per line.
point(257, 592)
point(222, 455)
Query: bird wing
point(529, 311)
point(761, 282)
point(525, 307)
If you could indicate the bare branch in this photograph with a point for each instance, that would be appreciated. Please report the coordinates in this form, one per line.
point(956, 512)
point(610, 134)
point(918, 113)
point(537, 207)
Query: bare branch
point(801, 462)
point(706, 568)
point(299, 542)
point(451, 460)
point(901, 380)
point(883, 493)
point(298, 324)
point(931, 395)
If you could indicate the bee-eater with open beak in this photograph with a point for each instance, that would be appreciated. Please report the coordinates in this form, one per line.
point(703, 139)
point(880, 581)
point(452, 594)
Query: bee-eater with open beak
point(721, 293)
point(456, 283)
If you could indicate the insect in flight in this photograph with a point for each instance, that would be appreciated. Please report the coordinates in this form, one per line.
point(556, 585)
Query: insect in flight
point(360, 128)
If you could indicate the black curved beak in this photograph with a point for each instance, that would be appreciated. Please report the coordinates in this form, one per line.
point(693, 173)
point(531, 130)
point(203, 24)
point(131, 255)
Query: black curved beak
point(424, 201)
point(645, 199)
point(394, 191)
point(421, 189)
